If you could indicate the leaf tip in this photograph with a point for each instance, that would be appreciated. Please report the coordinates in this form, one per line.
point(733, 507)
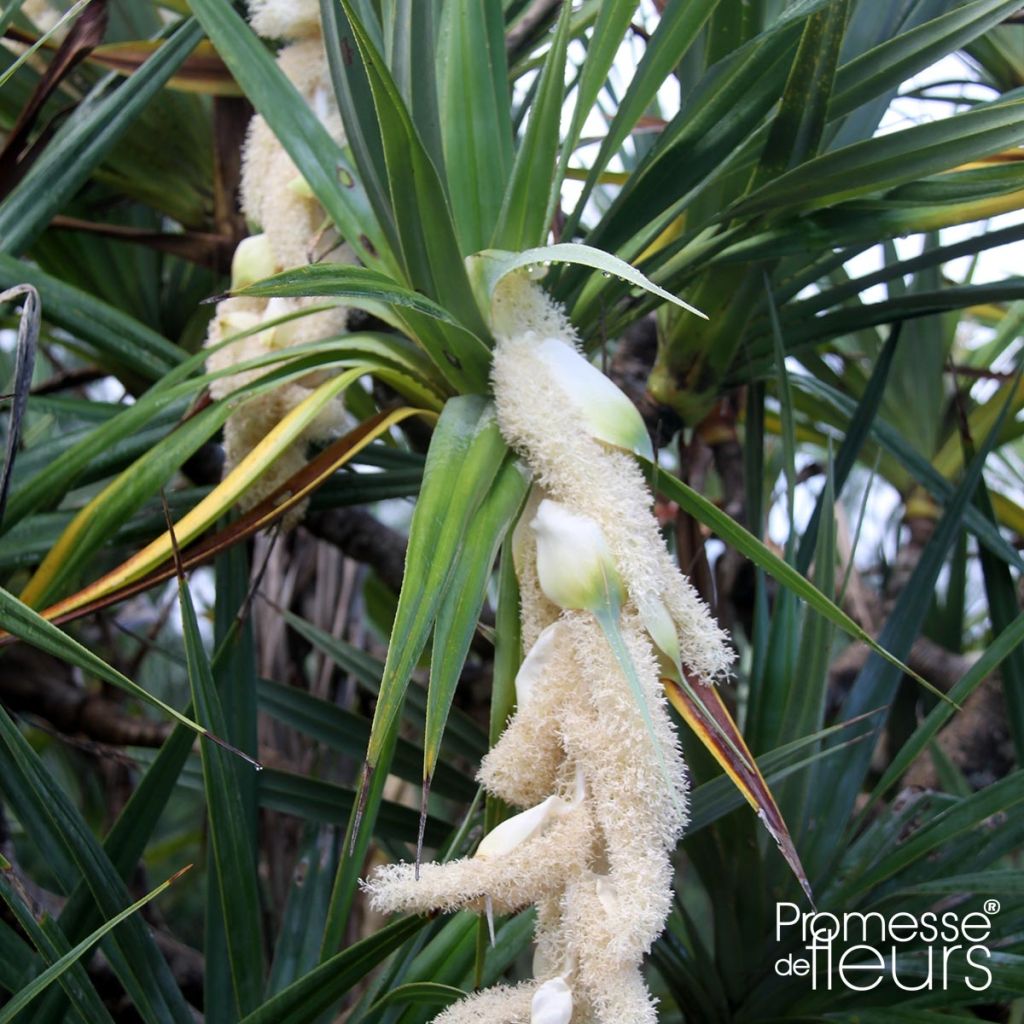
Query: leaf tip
point(177, 874)
point(424, 796)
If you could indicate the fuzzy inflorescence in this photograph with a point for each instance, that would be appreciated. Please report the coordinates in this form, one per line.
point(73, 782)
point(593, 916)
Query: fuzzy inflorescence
point(294, 231)
point(587, 733)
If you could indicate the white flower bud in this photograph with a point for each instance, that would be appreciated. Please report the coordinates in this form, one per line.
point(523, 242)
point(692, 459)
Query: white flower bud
point(574, 563)
point(253, 261)
point(608, 414)
point(552, 1003)
point(320, 104)
point(515, 830)
point(536, 664)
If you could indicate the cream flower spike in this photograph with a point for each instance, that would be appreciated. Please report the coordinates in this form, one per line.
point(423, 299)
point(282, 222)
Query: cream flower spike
point(590, 752)
point(587, 475)
point(285, 19)
point(502, 1004)
point(607, 412)
point(292, 234)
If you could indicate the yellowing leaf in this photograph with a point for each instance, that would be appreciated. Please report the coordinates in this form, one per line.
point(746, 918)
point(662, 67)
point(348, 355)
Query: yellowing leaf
point(710, 723)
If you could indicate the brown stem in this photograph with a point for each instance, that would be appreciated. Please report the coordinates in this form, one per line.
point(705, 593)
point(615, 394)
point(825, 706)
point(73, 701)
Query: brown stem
point(35, 684)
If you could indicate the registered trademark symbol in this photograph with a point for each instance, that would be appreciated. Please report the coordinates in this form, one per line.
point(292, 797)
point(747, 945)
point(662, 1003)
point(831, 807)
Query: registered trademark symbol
point(991, 906)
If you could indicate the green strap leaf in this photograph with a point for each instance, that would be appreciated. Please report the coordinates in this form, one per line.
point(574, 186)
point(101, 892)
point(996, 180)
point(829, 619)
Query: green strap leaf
point(921, 468)
point(28, 625)
point(120, 341)
point(51, 943)
point(75, 151)
point(71, 850)
point(466, 737)
point(85, 460)
point(523, 219)
point(59, 967)
point(1005, 644)
point(120, 500)
point(678, 27)
point(613, 20)
point(487, 268)
point(355, 103)
point(462, 601)
point(716, 798)
point(939, 831)
point(341, 280)
point(465, 453)
point(1003, 603)
point(889, 160)
point(420, 993)
point(430, 251)
point(873, 690)
point(348, 733)
point(313, 994)
point(887, 66)
point(233, 854)
point(796, 130)
point(853, 440)
point(748, 545)
point(476, 123)
point(722, 113)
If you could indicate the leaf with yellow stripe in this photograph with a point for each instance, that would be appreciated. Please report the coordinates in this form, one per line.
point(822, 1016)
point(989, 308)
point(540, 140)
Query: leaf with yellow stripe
point(214, 505)
point(297, 488)
point(711, 723)
point(202, 71)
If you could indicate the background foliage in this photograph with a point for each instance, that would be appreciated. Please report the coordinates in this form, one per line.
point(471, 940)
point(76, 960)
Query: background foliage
point(729, 149)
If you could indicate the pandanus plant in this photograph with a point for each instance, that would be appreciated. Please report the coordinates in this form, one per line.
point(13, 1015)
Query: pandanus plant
point(605, 613)
point(408, 161)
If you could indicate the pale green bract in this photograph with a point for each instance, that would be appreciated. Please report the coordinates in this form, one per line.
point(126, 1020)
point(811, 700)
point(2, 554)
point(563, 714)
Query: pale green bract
point(574, 563)
point(604, 409)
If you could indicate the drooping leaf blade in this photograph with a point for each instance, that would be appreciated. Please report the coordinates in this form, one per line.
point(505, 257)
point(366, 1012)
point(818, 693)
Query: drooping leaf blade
point(74, 153)
point(233, 856)
point(463, 600)
point(19, 1000)
point(465, 453)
